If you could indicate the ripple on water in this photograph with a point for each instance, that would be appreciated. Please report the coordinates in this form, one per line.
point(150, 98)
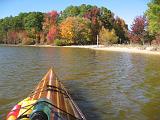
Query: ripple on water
point(105, 85)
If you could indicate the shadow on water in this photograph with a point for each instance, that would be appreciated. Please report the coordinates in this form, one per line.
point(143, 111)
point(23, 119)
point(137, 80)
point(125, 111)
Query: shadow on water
point(87, 107)
point(74, 74)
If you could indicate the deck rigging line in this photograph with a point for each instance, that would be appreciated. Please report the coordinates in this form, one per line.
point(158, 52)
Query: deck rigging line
point(32, 105)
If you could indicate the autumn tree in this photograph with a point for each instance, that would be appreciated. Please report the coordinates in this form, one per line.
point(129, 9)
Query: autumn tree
point(121, 30)
point(82, 31)
point(67, 30)
point(50, 26)
point(138, 30)
point(107, 18)
point(107, 36)
point(133, 38)
point(76, 30)
point(94, 16)
point(50, 19)
point(52, 34)
point(11, 28)
point(99, 17)
point(76, 24)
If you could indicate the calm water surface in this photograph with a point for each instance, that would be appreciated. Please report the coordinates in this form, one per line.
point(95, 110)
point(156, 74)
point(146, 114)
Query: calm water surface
point(105, 85)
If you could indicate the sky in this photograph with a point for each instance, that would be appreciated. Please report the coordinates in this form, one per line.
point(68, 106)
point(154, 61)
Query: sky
point(126, 9)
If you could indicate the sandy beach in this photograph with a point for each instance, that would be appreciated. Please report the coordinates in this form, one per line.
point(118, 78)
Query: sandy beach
point(129, 50)
point(147, 50)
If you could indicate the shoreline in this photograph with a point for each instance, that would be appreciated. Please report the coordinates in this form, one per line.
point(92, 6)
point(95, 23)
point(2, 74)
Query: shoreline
point(128, 50)
point(118, 48)
point(121, 48)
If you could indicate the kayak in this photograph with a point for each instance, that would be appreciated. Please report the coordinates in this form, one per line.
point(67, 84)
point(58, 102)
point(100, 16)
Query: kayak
point(48, 101)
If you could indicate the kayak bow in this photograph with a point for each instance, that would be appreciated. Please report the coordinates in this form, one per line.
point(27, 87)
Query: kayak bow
point(49, 101)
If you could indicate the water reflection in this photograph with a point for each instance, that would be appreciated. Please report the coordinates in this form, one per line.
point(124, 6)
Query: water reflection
point(105, 85)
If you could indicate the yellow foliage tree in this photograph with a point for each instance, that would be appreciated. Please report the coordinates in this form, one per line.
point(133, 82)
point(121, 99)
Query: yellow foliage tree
point(76, 30)
point(107, 37)
point(67, 30)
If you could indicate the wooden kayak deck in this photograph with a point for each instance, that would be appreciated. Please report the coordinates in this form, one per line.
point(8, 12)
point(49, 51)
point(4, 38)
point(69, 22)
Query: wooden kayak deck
point(52, 89)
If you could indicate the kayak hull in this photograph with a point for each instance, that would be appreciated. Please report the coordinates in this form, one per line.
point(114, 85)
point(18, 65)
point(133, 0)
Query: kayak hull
point(49, 97)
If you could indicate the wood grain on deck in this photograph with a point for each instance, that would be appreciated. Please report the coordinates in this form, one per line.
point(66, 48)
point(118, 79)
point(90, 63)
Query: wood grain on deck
point(57, 95)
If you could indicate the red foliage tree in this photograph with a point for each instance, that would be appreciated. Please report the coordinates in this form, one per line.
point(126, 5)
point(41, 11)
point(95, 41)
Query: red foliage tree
point(139, 25)
point(12, 37)
point(133, 38)
point(50, 26)
point(94, 15)
point(52, 34)
point(138, 29)
point(49, 20)
point(52, 16)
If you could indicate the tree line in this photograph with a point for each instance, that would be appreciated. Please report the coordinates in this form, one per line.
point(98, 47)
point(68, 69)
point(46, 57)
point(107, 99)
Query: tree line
point(146, 28)
point(74, 25)
point(80, 25)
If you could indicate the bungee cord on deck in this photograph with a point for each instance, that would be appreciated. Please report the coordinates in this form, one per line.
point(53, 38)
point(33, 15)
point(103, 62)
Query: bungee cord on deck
point(32, 105)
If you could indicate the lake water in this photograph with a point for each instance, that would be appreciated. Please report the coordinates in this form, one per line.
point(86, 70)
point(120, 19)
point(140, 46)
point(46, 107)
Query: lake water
point(105, 85)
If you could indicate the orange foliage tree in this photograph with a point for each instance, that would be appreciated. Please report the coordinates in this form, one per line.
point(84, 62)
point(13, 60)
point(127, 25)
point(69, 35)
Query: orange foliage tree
point(67, 30)
point(76, 30)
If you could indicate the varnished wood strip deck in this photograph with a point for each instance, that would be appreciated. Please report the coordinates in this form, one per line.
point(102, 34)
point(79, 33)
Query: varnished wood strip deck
point(49, 88)
point(62, 101)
